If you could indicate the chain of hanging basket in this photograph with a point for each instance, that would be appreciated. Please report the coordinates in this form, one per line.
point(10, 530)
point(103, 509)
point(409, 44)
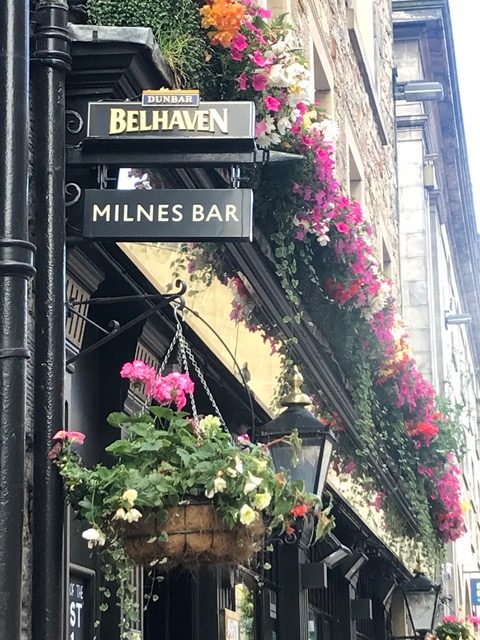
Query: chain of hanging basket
point(186, 356)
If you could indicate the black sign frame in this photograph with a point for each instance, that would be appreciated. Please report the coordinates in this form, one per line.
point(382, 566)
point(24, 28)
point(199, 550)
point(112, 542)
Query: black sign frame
point(168, 215)
point(81, 609)
point(218, 124)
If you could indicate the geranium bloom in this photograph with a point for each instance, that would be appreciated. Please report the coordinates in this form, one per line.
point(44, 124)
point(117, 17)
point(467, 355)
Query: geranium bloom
point(139, 371)
point(75, 436)
point(299, 510)
point(426, 431)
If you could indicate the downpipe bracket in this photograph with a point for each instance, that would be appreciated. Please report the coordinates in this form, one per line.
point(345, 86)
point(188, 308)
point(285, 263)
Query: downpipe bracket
point(51, 36)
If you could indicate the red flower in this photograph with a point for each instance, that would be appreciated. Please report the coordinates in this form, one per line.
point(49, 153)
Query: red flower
point(299, 510)
point(426, 431)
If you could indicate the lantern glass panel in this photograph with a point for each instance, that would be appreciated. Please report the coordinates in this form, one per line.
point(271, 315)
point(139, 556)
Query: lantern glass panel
point(422, 605)
point(324, 465)
point(306, 467)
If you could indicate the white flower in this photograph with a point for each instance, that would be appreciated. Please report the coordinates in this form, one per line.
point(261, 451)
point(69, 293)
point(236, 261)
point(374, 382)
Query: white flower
point(252, 483)
point(209, 424)
point(119, 514)
point(219, 485)
point(130, 495)
point(238, 464)
point(247, 515)
point(133, 515)
point(209, 493)
point(278, 76)
point(323, 240)
point(266, 140)
point(261, 464)
point(262, 500)
point(230, 471)
point(283, 125)
point(93, 537)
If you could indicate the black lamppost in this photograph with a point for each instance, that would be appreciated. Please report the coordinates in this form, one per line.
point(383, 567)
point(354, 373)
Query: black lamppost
point(311, 467)
point(317, 440)
point(421, 599)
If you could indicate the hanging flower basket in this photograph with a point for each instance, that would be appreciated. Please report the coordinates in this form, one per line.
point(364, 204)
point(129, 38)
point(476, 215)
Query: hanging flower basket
point(182, 491)
point(192, 535)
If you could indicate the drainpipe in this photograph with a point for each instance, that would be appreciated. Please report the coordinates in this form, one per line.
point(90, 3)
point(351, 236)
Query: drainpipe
point(50, 63)
point(16, 267)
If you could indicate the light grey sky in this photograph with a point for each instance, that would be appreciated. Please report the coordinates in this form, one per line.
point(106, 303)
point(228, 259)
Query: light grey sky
point(466, 21)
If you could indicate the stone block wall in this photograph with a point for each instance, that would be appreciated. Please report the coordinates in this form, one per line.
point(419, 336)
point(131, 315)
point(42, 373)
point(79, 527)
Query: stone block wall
point(362, 100)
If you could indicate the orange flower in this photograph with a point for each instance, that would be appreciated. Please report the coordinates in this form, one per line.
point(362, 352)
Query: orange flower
point(225, 18)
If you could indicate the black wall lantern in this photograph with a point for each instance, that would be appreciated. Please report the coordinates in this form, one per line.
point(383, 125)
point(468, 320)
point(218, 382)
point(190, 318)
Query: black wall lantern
point(317, 440)
point(421, 599)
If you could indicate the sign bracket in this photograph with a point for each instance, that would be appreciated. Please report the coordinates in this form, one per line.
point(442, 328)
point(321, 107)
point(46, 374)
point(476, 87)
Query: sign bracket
point(116, 329)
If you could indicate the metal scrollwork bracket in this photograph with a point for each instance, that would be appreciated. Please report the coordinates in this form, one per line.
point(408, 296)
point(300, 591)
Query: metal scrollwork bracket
point(73, 193)
point(73, 121)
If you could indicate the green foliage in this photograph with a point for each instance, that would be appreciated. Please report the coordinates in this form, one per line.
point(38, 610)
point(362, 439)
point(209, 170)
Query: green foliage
point(177, 29)
point(453, 629)
point(165, 460)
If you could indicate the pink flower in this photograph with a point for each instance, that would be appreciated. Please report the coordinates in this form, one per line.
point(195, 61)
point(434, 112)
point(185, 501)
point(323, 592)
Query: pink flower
point(242, 81)
point(264, 13)
point(341, 227)
point(258, 58)
point(239, 42)
point(260, 128)
point(244, 438)
point(138, 371)
point(259, 81)
point(173, 388)
point(75, 436)
point(271, 103)
point(236, 54)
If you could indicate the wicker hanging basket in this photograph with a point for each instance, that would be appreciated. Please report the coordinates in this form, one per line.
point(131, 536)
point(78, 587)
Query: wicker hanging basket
point(196, 536)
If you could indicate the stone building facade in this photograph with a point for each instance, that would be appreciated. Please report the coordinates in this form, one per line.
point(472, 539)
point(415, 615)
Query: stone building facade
point(349, 45)
point(439, 252)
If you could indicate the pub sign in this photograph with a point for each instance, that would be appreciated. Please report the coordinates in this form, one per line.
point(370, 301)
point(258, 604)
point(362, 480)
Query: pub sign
point(168, 214)
point(218, 122)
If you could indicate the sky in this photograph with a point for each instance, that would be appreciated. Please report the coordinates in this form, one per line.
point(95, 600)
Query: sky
point(466, 21)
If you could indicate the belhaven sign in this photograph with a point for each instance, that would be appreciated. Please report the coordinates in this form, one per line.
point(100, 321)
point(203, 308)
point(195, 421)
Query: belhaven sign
point(168, 214)
point(127, 121)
